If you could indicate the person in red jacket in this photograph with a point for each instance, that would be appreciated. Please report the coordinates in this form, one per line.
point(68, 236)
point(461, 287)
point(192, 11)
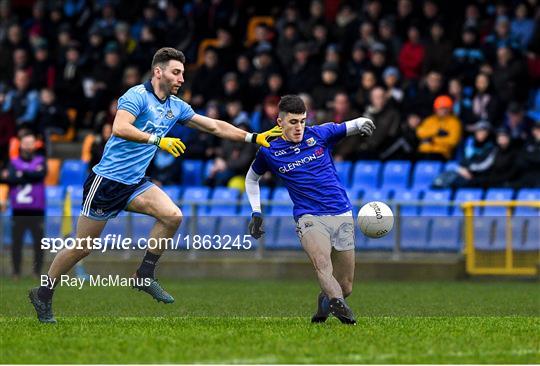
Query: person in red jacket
point(411, 55)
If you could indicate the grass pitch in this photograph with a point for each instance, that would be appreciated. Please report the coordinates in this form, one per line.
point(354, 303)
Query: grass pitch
point(216, 321)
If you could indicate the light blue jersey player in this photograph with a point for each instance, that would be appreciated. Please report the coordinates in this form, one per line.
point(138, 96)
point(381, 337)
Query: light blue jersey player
point(145, 115)
point(322, 211)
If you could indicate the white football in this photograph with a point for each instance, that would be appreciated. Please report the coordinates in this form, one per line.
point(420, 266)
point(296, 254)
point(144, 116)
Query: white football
point(375, 219)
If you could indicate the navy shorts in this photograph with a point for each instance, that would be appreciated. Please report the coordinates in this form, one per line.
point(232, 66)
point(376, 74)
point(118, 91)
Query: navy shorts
point(104, 198)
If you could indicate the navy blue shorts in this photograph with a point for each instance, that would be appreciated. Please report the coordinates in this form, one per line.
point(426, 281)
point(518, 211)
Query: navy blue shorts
point(104, 198)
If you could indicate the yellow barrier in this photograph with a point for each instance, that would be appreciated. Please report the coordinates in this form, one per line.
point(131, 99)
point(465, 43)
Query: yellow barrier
point(507, 267)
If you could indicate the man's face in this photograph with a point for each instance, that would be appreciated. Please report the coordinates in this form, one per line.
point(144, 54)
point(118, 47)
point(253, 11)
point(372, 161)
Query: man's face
point(503, 140)
point(170, 76)
point(28, 145)
point(536, 133)
point(442, 112)
point(341, 103)
point(21, 80)
point(293, 126)
point(434, 81)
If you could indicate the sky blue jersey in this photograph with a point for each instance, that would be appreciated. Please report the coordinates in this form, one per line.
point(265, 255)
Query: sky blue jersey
point(307, 170)
point(126, 161)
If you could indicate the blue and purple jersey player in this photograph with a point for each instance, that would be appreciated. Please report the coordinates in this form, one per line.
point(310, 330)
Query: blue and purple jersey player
point(322, 211)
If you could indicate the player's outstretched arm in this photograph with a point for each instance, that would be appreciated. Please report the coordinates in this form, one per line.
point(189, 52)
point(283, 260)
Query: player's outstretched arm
point(226, 130)
point(363, 126)
point(123, 127)
point(254, 196)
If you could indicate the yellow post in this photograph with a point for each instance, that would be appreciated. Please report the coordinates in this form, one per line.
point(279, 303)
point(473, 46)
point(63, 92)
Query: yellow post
point(509, 257)
point(469, 237)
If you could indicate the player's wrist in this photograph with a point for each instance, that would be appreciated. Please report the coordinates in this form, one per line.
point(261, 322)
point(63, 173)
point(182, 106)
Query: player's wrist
point(154, 140)
point(251, 137)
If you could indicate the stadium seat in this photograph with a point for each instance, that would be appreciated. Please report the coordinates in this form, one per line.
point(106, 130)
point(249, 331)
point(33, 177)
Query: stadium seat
point(53, 223)
point(527, 194)
point(207, 168)
point(205, 225)
point(396, 174)
point(54, 196)
point(404, 197)
point(270, 231)
point(414, 233)
point(194, 196)
point(497, 194)
point(386, 243)
point(245, 209)
point(229, 199)
point(451, 166)
point(440, 197)
point(343, 169)
point(531, 232)
point(285, 207)
point(366, 174)
point(141, 225)
point(236, 227)
point(286, 237)
point(445, 234)
point(192, 171)
point(424, 174)
point(73, 172)
point(76, 199)
point(464, 195)
point(484, 234)
point(172, 191)
point(369, 195)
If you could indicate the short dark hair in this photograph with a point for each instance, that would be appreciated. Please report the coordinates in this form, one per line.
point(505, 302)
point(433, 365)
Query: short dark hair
point(166, 54)
point(291, 104)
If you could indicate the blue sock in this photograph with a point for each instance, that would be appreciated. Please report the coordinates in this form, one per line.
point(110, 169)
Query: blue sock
point(148, 265)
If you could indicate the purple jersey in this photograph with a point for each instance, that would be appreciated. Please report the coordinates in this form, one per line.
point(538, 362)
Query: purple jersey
point(28, 196)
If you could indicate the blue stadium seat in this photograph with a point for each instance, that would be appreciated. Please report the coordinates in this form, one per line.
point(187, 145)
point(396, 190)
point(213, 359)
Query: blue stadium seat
point(414, 233)
point(445, 234)
point(386, 243)
point(464, 195)
point(531, 232)
point(270, 231)
point(54, 196)
point(497, 194)
point(192, 172)
point(354, 195)
point(366, 174)
point(193, 195)
point(76, 199)
point(53, 223)
point(281, 195)
point(73, 172)
point(343, 169)
point(518, 232)
point(404, 197)
point(205, 225)
point(236, 227)
point(369, 195)
point(451, 166)
point(396, 174)
point(207, 168)
point(484, 234)
point(245, 209)
point(527, 194)
point(229, 197)
point(435, 196)
point(286, 237)
point(424, 174)
point(141, 225)
point(172, 191)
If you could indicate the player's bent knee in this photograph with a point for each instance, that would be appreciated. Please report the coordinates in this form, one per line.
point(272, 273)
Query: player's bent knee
point(173, 219)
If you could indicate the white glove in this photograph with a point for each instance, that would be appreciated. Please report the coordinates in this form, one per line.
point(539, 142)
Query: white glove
point(363, 126)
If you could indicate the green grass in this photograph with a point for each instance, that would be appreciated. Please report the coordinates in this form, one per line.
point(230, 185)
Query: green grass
point(268, 322)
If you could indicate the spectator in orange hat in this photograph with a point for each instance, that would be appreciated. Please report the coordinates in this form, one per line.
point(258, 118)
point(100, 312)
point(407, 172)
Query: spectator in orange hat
point(439, 133)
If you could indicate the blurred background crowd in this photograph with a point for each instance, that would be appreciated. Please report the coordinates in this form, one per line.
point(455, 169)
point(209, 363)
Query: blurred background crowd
point(443, 80)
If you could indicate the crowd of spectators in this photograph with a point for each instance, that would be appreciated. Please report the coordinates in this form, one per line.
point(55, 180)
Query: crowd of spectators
point(431, 74)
